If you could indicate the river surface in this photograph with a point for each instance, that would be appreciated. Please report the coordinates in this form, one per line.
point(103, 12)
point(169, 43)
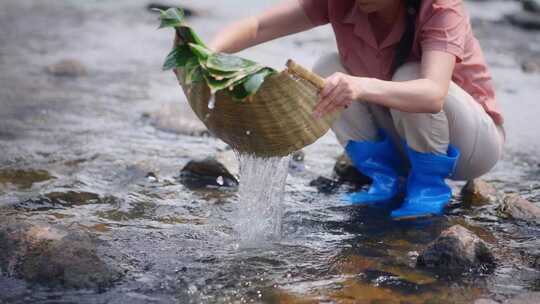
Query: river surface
point(93, 140)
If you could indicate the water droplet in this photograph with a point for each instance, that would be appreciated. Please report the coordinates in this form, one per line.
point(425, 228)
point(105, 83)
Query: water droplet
point(219, 180)
point(212, 103)
point(248, 132)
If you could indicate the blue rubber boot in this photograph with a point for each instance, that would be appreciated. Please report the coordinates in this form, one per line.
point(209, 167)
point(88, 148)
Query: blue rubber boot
point(379, 160)
point(427, 192)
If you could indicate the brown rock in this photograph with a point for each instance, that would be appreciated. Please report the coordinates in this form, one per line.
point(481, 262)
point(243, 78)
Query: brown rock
point(346, 172)
point(478, 193)
point(517, 208)
point(52, 256)
point(455, 251)
point(67, 68)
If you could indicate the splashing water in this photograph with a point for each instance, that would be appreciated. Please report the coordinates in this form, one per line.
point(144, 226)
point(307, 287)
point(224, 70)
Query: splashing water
point(261, 193)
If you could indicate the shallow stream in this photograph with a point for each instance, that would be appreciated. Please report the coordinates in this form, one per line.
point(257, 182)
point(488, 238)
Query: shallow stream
point(102, 153)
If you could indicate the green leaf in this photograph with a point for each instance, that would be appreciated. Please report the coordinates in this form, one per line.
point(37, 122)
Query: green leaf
point(173, 17)
point(228, 63)
point(251, 84)
point(188, 35)
point(254, 82)
point(201, 52)
point(196, 74)
point(178, 57)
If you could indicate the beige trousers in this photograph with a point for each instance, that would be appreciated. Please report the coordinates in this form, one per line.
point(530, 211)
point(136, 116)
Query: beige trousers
point(462, 123)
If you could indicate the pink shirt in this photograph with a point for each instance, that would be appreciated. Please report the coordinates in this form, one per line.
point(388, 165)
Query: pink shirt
point(442, 25)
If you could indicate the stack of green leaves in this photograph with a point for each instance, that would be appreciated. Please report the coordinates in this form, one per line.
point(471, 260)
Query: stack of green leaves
point(240, 77)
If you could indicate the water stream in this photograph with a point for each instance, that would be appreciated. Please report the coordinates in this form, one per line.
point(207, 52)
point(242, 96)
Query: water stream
point(261, 194)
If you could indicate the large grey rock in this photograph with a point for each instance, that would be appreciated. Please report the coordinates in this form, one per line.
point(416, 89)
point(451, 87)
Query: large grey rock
point(207, 173)
point(515, 207)
point(478, 193)
point(457, 250)
point(52, 256)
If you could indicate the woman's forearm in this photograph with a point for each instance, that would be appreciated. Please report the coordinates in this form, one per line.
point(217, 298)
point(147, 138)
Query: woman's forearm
point(415, 96)
point(281, 20)
point(236, 36)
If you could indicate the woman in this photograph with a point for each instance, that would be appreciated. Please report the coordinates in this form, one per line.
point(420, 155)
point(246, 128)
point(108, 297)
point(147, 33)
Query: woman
point(419, 103)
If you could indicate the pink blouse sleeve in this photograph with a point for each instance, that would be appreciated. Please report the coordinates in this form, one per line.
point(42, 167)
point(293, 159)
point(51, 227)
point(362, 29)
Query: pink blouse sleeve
point(445, 28)
point(316, 10)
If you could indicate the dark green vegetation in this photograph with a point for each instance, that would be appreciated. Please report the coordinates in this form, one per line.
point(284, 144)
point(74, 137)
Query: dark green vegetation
point(241, 77)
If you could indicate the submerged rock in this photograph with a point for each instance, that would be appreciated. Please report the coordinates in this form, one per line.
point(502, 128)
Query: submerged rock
point(477, 193)
point(325, 185)
point(532, 6)
point(205, 173)
point(531, 66)
point(517, 208)
point(67, 68)
point(346, 172)
point(455, 251)
point(59, 200)
point(52, 256)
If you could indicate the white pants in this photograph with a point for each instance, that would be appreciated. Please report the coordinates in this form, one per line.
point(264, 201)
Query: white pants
point(462, 123)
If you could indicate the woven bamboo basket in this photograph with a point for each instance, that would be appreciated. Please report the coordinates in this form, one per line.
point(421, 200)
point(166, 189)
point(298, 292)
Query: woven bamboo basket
point(276, 121)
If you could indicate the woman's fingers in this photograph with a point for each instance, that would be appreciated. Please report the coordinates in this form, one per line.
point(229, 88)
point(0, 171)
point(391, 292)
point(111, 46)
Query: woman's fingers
point(327, 95)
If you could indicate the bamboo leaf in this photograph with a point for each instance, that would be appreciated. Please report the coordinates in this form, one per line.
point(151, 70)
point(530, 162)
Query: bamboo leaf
point(178, 57)
point(228, 63)
point(173, 17)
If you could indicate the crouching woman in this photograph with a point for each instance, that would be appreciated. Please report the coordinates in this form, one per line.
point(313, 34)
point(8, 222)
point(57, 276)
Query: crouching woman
point(419, 105)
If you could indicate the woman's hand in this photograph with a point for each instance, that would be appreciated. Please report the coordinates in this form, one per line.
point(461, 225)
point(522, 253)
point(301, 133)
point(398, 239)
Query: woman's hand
point(340, 90)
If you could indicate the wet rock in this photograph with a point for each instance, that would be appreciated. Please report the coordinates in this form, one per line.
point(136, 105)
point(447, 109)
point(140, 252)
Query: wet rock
point(531, 256)
point(53, 257)
point(299, 156)
point(177, 118)
point(205, 173)
point(525, 20)
point(532, 6)
point(325, 185)
point(531, 66)
point(478, 193)
point(517, 208)
point(346, 172)
point(59, 200)
point(67, 68)
point(455, 251)
point(162, 6)
point(230, 161)
point(23, 179)
point(392, 281)
point(528, 298)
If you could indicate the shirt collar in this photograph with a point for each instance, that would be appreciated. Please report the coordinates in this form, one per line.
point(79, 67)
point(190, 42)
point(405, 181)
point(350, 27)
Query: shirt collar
point(363, 29)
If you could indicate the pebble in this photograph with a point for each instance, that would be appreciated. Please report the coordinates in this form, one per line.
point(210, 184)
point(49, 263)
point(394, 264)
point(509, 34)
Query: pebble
point(67, 68)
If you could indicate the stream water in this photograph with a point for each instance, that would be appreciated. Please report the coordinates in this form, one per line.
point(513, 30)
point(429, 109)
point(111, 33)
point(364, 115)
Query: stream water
point(261, 194)
point(102, 153)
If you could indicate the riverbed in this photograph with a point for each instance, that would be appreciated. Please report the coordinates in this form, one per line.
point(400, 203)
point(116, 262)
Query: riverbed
point(110, 143)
